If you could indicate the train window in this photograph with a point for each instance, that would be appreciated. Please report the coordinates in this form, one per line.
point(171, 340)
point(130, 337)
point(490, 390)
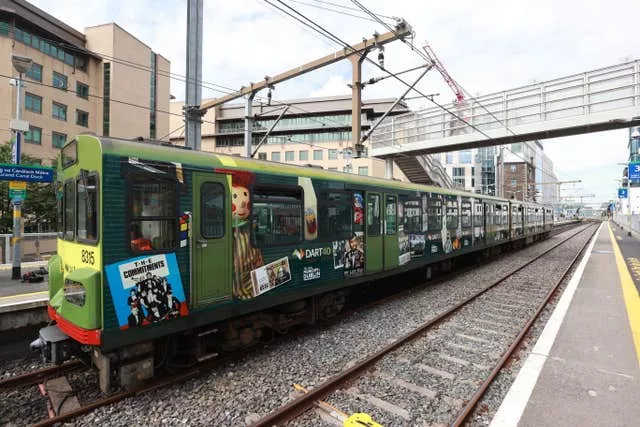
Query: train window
point(373, 215)
point(69, 154)
point(477, 214)
point(277, 215)
point(434, 214)
point(489, 216)
point(391, 215)
point(452, 214)
point(69, 209)
point(335, 219)
point(497, 216)
point(212, 210)
point(87, 205)
point(153, 216)
point(465, 214)
point(60, 208)
point(412, 219)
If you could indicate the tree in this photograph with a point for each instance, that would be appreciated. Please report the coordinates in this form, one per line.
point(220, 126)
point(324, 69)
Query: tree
point(39, 208)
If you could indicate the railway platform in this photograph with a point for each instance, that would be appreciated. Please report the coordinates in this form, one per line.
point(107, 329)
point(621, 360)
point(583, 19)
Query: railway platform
point(22, 304)
point(585, 366)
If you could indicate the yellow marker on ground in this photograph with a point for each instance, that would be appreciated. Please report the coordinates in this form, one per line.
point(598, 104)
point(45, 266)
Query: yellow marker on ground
point(358, 419)
point(630, 294)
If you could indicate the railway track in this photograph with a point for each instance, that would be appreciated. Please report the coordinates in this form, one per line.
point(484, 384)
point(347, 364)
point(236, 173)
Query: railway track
point(446, 364)
point(92, 404)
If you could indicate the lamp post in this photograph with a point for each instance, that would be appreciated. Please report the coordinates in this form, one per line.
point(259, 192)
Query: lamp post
point(22, 64)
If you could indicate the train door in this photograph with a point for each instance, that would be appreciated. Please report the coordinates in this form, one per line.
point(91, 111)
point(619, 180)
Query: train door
point(374, 241)
point(212, 239)
point(390, 239)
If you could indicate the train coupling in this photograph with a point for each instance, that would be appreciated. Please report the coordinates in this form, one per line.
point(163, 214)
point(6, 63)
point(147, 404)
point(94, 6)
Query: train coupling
point(54, 345)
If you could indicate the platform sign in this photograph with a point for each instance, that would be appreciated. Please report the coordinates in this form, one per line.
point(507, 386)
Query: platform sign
point(17, 185)
point(623, 193)
point(17, 194)
point(634, 171)
point(25, 173)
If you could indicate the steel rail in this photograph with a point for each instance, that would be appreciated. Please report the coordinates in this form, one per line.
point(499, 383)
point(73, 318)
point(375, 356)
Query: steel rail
point(306, 401)
point(472, 403)
point(191, 372)
point(33, 377)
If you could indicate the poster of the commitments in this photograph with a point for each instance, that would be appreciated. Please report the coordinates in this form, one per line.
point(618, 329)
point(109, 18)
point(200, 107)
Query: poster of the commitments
point(146, 289)
point(349, 255)
point(270, 276)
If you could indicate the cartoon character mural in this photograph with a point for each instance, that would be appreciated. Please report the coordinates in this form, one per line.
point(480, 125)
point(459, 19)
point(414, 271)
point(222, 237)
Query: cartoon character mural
point(310, 208)
point(245, 256)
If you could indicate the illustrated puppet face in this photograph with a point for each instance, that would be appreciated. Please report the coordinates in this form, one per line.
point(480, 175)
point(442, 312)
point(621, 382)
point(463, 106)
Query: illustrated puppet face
point(240, 203)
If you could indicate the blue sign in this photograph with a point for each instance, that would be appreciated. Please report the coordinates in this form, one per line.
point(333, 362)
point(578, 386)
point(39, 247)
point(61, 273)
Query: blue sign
point(146, 290)
point(25, 173)
point(623, 193)
point(634, 170)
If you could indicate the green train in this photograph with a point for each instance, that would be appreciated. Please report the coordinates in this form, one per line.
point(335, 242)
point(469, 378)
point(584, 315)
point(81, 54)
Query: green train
point(165, 253)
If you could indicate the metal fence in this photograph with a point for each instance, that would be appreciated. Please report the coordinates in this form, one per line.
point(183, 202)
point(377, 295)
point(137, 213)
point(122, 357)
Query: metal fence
point(628, 222)
point(35, 247)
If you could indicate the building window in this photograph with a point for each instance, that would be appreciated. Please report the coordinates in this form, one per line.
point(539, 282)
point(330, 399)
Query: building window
point(449, 158)
point(82, 118)
point(33, 103)
point(58, 139)
point(513, 182)
point(35, 72)
point(465, 156)
point(59, 111)
point(303, 155)
point(333, 169)
point(457, 172)
point(459, 181)
point(262, 156)
point(289, 156)
point(513, 168)
point(34, 136)
point(59, 81)
point(82, 90)
point(317, 154)
point(106, 96)
point(347, 169)
point(363, 170)
point(275, 156)
point(333, 154)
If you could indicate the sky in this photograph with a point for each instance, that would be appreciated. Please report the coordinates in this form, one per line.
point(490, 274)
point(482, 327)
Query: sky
point(487, 47)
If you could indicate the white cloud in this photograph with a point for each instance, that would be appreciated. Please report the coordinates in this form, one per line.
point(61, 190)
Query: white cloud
point(487, 46)
point(336, 85)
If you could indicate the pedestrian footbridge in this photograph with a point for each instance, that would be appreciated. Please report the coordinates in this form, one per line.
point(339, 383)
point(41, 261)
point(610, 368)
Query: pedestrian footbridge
point(598, 100)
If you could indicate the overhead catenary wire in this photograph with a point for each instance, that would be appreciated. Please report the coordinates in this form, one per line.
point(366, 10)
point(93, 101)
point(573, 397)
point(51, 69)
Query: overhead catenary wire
point(340, 12)
point(343, 44)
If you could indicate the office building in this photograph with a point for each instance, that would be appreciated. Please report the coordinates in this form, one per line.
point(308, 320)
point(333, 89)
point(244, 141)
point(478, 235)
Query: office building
point(103, 80)
point(313, 131)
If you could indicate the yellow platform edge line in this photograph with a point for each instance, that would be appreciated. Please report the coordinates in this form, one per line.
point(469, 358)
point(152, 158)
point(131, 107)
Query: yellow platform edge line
point(25, 295)
point(629, 293)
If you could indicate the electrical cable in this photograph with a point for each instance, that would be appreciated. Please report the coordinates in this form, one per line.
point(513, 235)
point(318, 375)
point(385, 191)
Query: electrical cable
point(333, 10)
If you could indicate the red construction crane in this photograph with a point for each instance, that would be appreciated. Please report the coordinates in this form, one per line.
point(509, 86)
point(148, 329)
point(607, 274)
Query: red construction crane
point(455, 87)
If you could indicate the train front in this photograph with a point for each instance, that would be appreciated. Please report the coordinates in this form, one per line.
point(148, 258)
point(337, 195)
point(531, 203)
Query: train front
point(75, 284)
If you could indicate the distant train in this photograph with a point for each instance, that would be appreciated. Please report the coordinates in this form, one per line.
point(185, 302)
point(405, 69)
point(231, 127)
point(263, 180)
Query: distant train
point(165, 253)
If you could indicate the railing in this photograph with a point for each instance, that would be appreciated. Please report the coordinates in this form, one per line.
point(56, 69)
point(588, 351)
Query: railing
point(606, 89)
point(35, 246)
point(434, 166)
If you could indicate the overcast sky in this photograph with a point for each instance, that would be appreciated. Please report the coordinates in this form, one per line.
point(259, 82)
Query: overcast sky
point(487, 46)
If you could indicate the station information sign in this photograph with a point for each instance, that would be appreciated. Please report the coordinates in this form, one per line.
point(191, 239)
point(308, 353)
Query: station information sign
point(623, 193)
point(25, 173)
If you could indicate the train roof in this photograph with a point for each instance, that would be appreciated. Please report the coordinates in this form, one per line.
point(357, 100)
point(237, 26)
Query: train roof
point(166, 152)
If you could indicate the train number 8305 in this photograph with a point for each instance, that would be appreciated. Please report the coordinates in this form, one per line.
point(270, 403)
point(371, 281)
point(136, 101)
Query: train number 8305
point(88, 257)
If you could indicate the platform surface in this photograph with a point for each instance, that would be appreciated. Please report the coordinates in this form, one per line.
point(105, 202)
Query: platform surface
point(15, 295)
point(585, 369)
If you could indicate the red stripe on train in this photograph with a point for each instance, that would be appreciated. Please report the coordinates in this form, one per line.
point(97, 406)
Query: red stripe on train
point(83, 336)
